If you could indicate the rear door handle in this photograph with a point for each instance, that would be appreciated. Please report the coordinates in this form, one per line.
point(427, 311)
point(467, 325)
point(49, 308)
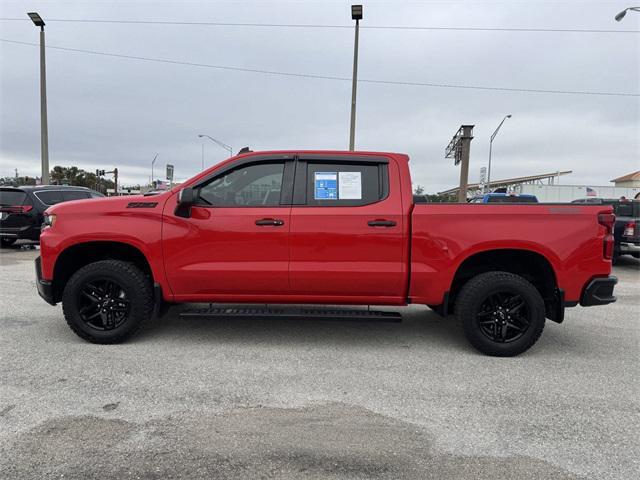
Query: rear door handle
point(381, 223)
point(272, 222)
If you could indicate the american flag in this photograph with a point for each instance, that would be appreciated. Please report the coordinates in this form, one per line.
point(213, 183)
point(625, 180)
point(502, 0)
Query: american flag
point(160, 185)
point(591, 192)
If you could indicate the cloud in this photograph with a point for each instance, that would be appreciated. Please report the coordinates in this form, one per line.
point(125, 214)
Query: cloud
point(106, 112)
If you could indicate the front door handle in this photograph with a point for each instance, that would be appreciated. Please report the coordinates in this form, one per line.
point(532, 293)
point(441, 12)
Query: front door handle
point(271, 222)
point(381, 223)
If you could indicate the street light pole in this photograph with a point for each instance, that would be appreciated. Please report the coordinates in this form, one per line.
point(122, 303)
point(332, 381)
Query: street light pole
point(44, 129)
point(152, 163)
point(490, 148)
point(217, 142)
point(621, 15)
point(356, 14)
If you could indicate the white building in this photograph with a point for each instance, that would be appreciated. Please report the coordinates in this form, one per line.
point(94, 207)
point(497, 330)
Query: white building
point(567, 193)
point(631, 180)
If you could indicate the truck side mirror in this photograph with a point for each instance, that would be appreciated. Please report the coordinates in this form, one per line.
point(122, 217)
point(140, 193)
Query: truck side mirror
point(186, 198)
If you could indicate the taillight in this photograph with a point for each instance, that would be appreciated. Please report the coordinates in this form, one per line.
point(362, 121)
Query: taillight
point(607, 220)
point(17, 209)
point(629, 230)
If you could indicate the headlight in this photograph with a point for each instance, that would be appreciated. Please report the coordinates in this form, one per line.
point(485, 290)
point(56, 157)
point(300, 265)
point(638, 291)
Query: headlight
point(49, 220)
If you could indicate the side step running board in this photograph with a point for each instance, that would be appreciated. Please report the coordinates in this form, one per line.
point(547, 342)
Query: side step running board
point(293, 312)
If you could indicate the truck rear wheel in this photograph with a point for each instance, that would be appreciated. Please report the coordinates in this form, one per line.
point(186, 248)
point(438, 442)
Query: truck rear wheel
point(502, 314)
point(107, 301)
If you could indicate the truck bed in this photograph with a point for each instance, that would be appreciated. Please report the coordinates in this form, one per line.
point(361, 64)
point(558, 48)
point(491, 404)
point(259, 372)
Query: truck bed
point(444, 235)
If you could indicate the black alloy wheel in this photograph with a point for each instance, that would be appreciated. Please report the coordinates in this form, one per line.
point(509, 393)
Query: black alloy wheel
point(108, 301)
point(503, 317)
point(502, 313)
point(103, 304)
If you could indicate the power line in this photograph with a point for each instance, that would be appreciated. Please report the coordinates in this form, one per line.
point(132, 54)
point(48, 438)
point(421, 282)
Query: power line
point(304, 25)
point(327, 77)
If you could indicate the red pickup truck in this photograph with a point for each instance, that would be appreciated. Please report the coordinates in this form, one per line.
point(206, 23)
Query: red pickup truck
point(323, 227)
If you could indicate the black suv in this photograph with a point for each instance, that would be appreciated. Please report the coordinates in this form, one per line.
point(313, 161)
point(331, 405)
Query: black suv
point(22, 208)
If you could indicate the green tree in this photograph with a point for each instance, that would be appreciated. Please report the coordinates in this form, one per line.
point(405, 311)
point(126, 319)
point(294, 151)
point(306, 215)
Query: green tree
point(435, 198)
point(77, 177)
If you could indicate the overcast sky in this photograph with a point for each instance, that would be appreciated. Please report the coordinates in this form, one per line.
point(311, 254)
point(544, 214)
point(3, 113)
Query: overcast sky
point(106, 112)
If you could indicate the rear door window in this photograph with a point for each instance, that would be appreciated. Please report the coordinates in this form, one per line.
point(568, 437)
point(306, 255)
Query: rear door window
point(75, 195)
point(49, 197)
point(333, 184)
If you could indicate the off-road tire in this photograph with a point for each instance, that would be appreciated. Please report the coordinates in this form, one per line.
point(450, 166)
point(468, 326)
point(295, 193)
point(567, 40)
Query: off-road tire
point(134, 283)
point(475, 293)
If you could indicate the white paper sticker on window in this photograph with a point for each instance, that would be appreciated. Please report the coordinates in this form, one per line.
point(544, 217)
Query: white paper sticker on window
point(350, 185)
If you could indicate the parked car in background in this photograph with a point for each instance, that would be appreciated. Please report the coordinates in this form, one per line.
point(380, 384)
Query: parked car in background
point(22, 208)
point(627, 227)
point(504, 198)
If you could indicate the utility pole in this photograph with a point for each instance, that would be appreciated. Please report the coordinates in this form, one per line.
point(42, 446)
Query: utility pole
point(115, 179)
point(44, 129)
point(459, 148)
point(356, 14)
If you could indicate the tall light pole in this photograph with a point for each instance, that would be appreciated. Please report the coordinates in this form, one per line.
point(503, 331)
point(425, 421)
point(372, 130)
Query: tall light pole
point(356, 14)
point(217, 142)
point(152, 164)
point(490, 148)
point(44, 129)
point(621, 15)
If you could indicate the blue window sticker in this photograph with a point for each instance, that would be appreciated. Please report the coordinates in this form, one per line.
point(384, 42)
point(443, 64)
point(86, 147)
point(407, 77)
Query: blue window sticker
point(326, 186)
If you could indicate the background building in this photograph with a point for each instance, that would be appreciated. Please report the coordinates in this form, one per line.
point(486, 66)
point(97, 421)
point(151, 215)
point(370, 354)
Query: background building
point(630, 180)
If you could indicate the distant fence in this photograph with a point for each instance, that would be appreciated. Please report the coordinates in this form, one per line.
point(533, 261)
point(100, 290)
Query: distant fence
point(567, 193)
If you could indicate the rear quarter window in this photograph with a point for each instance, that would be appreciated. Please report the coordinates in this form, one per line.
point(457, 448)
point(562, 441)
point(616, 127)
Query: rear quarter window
point(50, 197)
point(75, 195)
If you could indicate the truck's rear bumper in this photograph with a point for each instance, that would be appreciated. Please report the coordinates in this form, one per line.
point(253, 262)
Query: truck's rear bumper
point(28, 232)
point(45, 288)
point(629, 247)
point(599, 291)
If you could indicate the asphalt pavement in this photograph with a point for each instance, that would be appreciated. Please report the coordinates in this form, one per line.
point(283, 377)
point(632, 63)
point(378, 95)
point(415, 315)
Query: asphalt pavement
point(289, 399)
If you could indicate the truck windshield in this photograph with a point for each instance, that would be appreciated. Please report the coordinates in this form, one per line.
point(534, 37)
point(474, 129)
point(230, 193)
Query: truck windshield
point(12, 197)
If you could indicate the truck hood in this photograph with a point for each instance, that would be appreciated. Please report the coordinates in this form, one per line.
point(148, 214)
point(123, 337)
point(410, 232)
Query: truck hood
point(104, 205)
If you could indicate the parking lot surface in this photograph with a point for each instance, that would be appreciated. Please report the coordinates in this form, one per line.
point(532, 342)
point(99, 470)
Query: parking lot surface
point(251, 398)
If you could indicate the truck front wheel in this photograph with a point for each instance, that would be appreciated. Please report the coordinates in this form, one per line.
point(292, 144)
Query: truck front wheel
point(502, 314)
point(107, 301)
